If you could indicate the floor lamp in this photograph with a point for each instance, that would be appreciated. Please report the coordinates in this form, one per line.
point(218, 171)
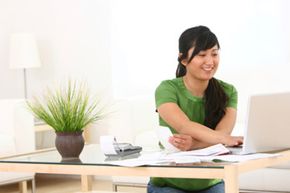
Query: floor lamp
point(23, 54)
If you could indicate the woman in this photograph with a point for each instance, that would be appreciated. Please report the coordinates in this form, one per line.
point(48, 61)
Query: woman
point(198, 108)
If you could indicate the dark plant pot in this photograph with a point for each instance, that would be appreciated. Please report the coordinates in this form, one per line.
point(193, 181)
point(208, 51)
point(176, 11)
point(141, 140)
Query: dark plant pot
point(69, 144)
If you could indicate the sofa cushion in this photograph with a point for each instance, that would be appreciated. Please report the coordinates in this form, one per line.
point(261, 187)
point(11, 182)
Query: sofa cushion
point(267, 179)
point(12, 177)
point(7, 145)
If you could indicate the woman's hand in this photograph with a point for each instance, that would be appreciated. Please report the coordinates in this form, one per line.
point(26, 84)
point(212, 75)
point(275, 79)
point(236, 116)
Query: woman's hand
point(182, 142)
point(233, 140)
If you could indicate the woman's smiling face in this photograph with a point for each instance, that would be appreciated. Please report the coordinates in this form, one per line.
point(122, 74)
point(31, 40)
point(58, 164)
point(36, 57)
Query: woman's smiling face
point(203, 65)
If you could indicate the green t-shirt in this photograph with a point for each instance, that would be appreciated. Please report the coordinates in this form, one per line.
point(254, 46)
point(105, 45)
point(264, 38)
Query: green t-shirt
point(175, 91)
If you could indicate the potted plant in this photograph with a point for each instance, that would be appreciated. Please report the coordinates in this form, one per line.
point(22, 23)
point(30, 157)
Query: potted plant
point(68, 110)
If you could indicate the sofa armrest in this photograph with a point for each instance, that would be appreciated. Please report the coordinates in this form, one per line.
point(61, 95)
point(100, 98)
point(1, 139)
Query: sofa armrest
point(23, 126)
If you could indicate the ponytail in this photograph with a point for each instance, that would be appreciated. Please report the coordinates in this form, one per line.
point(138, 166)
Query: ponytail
point(215, 103)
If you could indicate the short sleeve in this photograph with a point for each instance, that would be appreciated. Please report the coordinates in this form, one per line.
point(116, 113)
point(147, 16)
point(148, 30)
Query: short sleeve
point(233, 97)
point(165, 92)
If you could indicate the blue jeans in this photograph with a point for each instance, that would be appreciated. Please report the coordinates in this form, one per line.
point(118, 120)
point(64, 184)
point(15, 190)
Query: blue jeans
point(218, 188)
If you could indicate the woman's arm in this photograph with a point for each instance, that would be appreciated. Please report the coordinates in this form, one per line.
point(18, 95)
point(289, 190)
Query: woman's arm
point(227, 123)
point(174, 116)
point(186, 142)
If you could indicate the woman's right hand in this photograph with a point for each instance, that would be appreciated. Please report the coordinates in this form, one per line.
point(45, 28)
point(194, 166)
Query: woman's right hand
point(233, 140)
point(182, 142)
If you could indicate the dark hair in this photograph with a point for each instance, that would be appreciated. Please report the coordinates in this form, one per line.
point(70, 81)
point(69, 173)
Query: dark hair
point(201, 38)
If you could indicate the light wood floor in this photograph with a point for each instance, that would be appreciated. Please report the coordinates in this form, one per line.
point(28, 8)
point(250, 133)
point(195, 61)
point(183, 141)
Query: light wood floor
point(66, 184)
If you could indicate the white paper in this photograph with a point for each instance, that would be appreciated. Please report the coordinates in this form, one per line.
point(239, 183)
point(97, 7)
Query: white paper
point(107, 144)
point(135, 162)
point(217, 149)
point(187, 159)
point(162, 158)
point(156, 158)
point(238, 158)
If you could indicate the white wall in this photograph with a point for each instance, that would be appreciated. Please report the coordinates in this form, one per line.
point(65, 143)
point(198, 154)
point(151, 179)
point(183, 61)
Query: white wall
point(73, 38)
point(254, 38)
point(129, 46)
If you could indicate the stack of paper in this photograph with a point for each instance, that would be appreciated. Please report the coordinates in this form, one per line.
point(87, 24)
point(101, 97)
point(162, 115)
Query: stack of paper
point(179, 157)
point(214, 153)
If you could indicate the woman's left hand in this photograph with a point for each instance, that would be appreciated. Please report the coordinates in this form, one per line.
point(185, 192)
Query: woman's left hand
point(182, 142)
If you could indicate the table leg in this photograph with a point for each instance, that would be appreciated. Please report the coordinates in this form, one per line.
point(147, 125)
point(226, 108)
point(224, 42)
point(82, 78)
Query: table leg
point(231, 179)
point(23, 187)
point(86, 183)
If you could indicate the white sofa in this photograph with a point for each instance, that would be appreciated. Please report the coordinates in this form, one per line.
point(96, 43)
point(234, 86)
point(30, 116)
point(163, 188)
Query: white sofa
point(16, 136)
point(266, 180)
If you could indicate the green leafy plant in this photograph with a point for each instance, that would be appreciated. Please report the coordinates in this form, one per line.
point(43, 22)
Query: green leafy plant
point(68, 108)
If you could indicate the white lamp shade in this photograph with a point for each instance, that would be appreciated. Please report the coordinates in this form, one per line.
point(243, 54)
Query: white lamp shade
point(23, 51)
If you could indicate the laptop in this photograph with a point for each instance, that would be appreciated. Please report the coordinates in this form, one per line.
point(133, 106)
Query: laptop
point(268, 124)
